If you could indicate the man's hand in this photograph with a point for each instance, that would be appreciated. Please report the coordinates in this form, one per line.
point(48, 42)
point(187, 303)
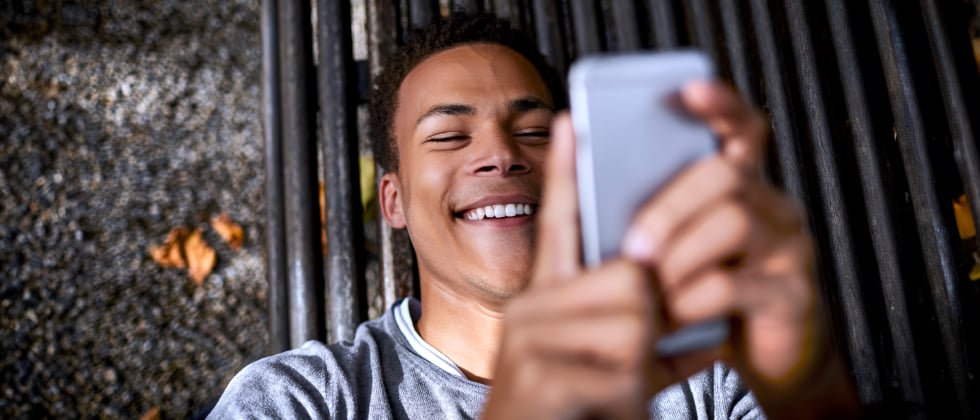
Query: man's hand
point(724, 242)
point(718, 240)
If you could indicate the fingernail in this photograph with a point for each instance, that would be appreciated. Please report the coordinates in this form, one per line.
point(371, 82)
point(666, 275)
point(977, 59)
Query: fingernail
point(698, 84)
point(639, 246)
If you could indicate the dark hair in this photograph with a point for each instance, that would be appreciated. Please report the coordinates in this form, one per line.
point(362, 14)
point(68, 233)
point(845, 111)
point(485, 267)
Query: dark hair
point(441, 35)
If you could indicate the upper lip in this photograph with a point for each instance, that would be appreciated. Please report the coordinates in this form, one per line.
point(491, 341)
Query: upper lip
point(497, 199)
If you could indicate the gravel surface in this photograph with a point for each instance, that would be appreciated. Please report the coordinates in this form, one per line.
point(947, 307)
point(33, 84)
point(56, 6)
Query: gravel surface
point(119, 121)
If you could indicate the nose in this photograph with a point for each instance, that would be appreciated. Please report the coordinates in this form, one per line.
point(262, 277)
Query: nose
point(497, 153)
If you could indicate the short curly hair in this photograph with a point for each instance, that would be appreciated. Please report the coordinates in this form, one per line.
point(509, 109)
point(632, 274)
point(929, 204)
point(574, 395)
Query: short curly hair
point(441, 35)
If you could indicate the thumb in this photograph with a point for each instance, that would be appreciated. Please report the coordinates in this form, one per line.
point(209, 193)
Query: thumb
point(557, 222)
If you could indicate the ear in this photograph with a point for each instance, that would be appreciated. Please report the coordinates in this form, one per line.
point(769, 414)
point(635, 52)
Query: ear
point(391, 200)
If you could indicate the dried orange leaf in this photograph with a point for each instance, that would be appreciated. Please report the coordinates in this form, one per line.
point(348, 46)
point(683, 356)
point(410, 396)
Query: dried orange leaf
point(200, 257)
point(964, 218)
point(230, 231)
point(976, 51)
point(168, 254)
point(153, 414)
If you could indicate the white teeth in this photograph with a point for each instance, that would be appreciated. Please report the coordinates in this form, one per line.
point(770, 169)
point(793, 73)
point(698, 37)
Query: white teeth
point(499, 211)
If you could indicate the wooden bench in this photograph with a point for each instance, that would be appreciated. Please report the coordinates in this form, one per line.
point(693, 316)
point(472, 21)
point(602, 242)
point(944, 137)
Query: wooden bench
point(874, 110)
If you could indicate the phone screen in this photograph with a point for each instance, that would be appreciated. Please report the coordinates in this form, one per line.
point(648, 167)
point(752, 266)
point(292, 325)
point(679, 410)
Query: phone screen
point(632, 137)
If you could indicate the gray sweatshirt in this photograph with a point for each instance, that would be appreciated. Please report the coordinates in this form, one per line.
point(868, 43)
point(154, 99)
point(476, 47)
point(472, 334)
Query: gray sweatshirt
point(389, 372)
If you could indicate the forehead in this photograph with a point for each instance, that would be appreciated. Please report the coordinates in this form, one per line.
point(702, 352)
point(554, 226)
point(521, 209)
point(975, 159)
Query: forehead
point(470, 74)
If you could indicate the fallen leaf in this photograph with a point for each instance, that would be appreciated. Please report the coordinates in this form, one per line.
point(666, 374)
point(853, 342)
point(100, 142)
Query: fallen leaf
point(200, 257)
point(368, 188)
point(964, 218)
point(976, 51)
point(168, 254)
point(228, 230)
point(153, 414)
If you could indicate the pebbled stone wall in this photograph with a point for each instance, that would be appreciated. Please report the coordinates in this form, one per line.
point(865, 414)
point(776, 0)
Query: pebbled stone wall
point(118, 121)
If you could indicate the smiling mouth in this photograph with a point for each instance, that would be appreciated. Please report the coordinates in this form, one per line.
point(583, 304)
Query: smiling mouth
point(498, 211)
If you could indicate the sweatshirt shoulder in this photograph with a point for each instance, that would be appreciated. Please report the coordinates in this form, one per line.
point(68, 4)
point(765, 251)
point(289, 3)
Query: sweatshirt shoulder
point(313, 381)
point(288, 384)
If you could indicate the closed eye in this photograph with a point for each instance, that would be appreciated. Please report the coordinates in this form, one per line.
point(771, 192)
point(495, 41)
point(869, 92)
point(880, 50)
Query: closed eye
point(448, 138)
point(534, 136)
point(543, 133)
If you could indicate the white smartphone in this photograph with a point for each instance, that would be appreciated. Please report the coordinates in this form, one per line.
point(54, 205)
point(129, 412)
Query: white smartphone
point(632, 137)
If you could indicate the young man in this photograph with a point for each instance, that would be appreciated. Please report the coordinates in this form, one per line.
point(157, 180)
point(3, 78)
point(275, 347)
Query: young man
point(480, 170)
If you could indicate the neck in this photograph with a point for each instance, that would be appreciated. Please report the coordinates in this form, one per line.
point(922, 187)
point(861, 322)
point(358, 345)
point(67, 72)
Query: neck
point(466, 330)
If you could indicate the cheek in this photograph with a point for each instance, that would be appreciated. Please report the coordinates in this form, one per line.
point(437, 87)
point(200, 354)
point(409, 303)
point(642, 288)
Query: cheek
point(431, 182)
point(537, 155)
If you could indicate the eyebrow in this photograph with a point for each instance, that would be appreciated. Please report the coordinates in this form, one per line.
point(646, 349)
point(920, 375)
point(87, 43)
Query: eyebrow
point(518, 106)
point(447, 109)
point(529, 103)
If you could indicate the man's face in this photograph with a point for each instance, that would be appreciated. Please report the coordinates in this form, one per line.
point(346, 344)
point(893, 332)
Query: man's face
point(472, 129)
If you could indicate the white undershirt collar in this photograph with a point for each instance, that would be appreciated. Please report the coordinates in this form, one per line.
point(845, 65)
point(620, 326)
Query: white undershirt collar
point(403, 317)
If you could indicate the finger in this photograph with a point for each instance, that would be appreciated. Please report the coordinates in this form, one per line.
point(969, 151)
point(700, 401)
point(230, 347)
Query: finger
point(776, 300)
point(557, 222)
point(741, 127)
point(709, 295)
point(618, 341)
point(614, 287)
point(719, 235)
point(779, 211)
point(693, 189)
point(772, 344)
point(777, 281)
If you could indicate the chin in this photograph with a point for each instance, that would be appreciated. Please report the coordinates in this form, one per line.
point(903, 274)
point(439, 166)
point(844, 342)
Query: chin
point(495, 291)
point(504, 282)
